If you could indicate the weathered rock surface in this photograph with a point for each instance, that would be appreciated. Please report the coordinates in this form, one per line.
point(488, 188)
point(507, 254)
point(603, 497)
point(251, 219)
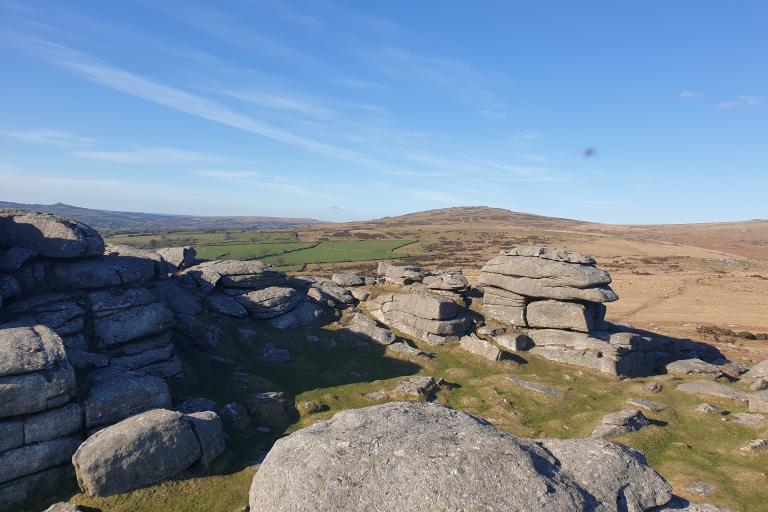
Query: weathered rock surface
point(644, 403)
point(480, 347)
point(424, 457)
point(449, 279)
point(119, 396)
point(694, 367)
point(534, 386)
point(34, 372)
point(621, 422)
point(48, 235)
point(617, 477)
point(399, 274)
point(415, 388)
point(208, 428)
point(135, 452)
point(715, 389)
point(434, 319)
point(35, 457)
point(553, 314)
point(270, 302)
point(251, 275)
point(179, 257)
point(760, 370)
point(369, 329)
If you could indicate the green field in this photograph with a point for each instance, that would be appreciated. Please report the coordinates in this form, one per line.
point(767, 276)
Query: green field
point(283, 249)
point(247, 251)
point(199, 238)
point(340, 251)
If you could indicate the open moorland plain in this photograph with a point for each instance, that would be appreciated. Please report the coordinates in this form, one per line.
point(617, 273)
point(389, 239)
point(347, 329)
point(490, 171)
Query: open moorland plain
point(269, 373)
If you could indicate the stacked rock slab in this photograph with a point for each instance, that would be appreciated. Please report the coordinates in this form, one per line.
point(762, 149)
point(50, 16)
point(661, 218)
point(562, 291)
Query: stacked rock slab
point(40, 424)
point(559, 298)
point(431, 318)
point(256, 290)
point(103, 303)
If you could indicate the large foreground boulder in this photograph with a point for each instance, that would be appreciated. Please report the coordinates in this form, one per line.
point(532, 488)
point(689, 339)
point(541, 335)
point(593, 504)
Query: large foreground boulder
point(48, 235)
point(418, 456)
point(145, 449)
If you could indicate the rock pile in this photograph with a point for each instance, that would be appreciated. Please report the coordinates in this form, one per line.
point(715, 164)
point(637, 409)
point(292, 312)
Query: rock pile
point(448, 281)
point(254, 289)
point(418, 456)
point(558, 299)
point(40, 425)
point(433, 319)
point(545, 288)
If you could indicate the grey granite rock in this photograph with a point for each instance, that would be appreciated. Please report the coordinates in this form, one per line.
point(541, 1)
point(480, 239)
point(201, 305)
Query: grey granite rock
point(138, 451)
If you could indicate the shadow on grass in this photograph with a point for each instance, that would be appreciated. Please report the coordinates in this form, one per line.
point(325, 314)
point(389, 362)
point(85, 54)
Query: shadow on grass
point(319, 359)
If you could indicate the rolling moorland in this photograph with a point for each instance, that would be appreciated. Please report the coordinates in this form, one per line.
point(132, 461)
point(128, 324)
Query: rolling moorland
point(705, 282)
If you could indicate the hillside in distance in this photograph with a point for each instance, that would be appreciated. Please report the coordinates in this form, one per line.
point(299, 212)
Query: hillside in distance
point(742, 238)
point(114, 222)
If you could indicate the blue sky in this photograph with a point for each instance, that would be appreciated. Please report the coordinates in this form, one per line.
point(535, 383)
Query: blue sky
point(621, 112)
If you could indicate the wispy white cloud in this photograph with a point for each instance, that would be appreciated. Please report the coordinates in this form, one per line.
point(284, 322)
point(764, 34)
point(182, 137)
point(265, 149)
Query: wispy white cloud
point(691, 94)
point(468, 84)
point(302, 105)
point(741, 101)
point(51, 137)
point(220, 25)
point(354, 83)
point(152, 156)
point(528, 135)
point(487, 169)
point(226, 175)
point(135, 85)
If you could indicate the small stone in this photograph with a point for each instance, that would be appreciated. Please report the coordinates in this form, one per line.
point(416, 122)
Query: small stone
point(646, 404)
point(708, 408)
point(756, 445)
point(415, 388)
point(376, 395)
point(760, 384)
point(312, 407)
point(533, 386)
point(699, 488)
point(653, 387)
point(621, 422)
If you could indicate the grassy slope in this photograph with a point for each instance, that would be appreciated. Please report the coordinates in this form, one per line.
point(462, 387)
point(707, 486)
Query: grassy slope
point(684, 446)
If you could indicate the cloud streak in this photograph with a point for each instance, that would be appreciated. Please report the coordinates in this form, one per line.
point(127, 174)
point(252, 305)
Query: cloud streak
point(51, 138)
point(134, 85)
point(152, 156)
point(742, 101)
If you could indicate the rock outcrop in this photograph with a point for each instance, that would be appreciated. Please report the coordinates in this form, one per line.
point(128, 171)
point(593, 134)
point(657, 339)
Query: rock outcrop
point(558, 299)
point(423, 457)
point(40, 425)
point(433, 319)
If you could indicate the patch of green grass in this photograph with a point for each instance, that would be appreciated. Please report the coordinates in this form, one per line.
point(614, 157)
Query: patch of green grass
point(341, 251)
point(247, 251)
point(199, 238)
point(683, 445)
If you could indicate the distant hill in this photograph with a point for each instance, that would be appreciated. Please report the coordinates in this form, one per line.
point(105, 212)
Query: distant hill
point(468, 217)
point(745, 238)
point(112, 222)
